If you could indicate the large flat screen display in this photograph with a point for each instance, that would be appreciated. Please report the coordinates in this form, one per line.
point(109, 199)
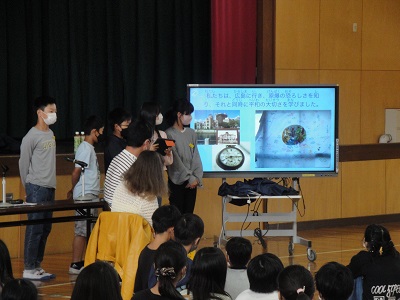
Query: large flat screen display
point(266, 130)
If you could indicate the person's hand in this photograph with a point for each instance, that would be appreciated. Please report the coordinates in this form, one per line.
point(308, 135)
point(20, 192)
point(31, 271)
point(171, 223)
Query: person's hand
point(168, 151)
point(154, 147)
point(69, 195)
point(192, 185)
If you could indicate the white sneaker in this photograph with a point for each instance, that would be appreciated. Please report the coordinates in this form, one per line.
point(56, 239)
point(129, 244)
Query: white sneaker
point(75, 269)
point(37, 274)
point(52, 276)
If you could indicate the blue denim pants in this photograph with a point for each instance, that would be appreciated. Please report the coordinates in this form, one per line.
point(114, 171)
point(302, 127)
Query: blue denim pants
point(358, 289)
point(36, 235)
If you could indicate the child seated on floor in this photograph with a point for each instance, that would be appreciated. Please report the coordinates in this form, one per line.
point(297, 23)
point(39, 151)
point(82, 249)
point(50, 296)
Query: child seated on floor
point(238, 251)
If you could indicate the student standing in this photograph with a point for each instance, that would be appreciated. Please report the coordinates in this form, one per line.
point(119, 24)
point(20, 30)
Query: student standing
point(141, 184)
point(151, 112)
point(186, 172)
point(93, 128)
point(37, 168)
point(138, 138)
point(118, 120)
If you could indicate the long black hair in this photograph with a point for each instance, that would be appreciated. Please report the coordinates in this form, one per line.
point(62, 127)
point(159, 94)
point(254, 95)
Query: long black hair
point(149, 112)
point(19, 289)
point(97, 281)
point(208, 274)
point(378, 241)
point(169, 260)
point(6, 273)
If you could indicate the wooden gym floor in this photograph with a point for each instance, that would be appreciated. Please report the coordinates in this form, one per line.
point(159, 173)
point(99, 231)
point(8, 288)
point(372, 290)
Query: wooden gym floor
point(331, 244)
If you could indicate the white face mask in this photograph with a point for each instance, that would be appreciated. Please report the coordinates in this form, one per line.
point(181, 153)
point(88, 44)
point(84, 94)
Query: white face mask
point(186, 119)
point(51, 118)
point(159, 119)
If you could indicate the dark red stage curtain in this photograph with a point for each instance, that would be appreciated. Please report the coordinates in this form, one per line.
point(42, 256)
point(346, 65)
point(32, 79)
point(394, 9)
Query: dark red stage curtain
point(234, 25)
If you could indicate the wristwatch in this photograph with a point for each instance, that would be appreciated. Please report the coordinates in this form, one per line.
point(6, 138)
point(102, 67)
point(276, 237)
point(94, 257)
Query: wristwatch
point(230, 158)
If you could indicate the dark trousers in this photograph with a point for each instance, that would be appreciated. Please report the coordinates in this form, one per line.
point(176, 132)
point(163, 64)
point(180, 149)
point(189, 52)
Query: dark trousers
point(183, 198)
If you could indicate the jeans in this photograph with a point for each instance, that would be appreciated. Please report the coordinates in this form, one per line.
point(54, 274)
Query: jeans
point(36, 235)
point(358, 289)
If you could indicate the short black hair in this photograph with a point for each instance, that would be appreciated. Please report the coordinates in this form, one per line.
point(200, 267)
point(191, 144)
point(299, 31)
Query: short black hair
point(42, 101)
point(19, 289)
point(263, 271)
point(239, 251)
point(188, 228)
point(181, 105)
point(165, 217)
point(295, 277)
point(117, 116)
point(93, 122)
point(137, 133)
point(334, 281)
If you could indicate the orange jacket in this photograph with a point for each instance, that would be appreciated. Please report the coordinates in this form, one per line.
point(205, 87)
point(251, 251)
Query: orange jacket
point(119, 238)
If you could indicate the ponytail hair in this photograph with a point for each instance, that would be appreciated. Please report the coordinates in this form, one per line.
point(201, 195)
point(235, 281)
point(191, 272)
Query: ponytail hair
point(296, 283)
point(169, 260)
point(379, 241)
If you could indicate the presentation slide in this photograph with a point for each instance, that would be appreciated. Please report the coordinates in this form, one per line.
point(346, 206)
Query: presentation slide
point(266, 129)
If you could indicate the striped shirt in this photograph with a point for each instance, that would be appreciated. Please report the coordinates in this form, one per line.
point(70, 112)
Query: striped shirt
point(118, 166)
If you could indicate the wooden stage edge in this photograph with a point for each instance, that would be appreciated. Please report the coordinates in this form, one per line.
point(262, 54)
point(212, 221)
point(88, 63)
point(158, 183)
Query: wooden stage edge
point(312, 225)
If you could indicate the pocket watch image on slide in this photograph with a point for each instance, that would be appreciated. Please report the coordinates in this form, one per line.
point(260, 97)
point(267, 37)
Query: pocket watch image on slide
point(230, 158)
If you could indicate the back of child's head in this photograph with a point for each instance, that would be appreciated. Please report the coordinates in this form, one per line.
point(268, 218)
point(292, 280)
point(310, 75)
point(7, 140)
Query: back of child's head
point(118, 116)
point(208, 273)
point(42, 102)
point(296, 283)
point(92, 122)
point(19, 289)
point(137, 133)
point(188, 228)
point(97, 281)
point(165, 217)
point(6, 273)
point(263, 271)
point(239, 252)
point(334, 281)
point(169, 262)
point(181, 105)
point(379, 241)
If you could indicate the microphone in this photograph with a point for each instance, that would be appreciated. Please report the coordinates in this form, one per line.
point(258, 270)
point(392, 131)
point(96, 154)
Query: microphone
point(5, 168)
point(78, 162)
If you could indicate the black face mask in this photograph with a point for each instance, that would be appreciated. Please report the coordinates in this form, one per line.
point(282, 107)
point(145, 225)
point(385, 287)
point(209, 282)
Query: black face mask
point(101, 138)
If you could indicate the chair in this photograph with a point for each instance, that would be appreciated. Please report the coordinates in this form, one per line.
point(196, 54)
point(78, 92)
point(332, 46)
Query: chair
point(119, 237)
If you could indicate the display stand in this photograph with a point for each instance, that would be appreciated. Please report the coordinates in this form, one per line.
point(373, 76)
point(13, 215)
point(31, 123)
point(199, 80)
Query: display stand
point(83, 165)
point(287, 217)
point(84, 197)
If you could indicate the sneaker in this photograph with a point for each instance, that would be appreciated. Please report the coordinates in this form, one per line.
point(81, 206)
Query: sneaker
point(36, 274)
point(52, 276)
point(75, 268)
